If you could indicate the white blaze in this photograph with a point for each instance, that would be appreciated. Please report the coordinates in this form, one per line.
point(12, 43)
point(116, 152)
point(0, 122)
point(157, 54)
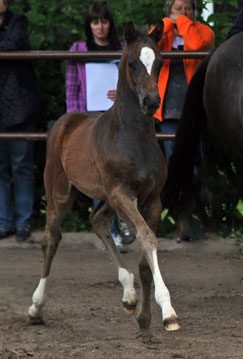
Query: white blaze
point(147, 57)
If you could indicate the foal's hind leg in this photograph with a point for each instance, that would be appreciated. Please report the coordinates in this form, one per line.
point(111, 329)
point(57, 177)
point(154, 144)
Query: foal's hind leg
point(59, 199)
point(100, 219)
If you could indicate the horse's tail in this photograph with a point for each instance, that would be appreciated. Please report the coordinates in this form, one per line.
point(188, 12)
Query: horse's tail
point(186, 147)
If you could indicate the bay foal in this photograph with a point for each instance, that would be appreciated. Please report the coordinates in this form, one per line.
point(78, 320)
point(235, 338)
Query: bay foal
point(114, 158)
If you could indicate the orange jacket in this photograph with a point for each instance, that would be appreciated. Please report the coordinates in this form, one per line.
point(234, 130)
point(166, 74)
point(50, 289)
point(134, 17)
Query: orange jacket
point(196, 37)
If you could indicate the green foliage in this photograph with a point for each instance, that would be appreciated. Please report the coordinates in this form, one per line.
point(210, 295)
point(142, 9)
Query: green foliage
point(55, 26)
point(73, 223)
point(225, 13)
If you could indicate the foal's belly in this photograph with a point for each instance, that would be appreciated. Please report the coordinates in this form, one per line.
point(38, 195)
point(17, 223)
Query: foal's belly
point(78, 160)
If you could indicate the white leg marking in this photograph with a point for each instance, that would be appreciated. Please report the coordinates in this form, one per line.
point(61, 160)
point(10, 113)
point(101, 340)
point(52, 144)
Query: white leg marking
point(147, 57)
point(38, 298)
point(162, 295)
point(127, 281)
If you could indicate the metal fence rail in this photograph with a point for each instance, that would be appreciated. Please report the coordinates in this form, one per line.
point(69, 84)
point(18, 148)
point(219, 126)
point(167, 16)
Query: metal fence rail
point(98, 55)
point(67, 55)
point(42, 136)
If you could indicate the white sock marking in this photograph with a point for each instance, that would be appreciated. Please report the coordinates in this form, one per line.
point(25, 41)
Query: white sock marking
point(127, 281)
point(38, 298)
point(147, 57)
point(162, 295)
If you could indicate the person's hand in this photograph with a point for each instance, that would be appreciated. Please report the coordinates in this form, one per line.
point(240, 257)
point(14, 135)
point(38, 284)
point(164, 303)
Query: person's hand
point(173, 17)
point(111, 94)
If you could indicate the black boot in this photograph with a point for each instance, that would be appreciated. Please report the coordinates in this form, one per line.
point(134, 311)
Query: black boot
point(127, 235)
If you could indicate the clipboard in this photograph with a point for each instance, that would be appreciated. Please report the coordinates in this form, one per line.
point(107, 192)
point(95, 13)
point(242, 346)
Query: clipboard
point(100, 78)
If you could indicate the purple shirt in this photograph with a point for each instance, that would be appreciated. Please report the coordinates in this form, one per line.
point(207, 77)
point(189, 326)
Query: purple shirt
point(76, 81)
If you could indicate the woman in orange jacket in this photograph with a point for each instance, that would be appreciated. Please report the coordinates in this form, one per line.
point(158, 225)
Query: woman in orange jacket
point(181, 32)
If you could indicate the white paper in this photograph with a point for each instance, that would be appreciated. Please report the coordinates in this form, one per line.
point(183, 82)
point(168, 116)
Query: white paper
point(100, 78)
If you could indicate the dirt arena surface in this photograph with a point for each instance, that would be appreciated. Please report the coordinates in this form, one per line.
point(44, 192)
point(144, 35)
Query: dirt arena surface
point(84, 316)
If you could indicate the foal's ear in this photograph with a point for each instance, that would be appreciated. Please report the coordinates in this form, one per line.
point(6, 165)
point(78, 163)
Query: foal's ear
point(157, 32)
point(130, 33)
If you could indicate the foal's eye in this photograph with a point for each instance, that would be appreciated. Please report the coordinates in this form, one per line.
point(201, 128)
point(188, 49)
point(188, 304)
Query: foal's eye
point(131, 63)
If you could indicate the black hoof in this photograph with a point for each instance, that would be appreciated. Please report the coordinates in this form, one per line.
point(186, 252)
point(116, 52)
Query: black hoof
point(171, 324)
point(128, 308)
point(36, 321)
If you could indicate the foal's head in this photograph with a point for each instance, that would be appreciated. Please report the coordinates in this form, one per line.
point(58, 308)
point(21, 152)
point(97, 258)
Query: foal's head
point(142, 62)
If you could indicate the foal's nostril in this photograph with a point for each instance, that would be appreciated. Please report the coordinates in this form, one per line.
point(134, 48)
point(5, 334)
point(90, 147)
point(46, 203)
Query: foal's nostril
point(151, 103)
point(146, 101)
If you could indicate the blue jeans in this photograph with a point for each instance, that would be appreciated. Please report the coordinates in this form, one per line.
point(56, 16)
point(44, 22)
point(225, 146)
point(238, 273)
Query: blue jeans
point(168, 126)
point(16, 181)
point(114, 231)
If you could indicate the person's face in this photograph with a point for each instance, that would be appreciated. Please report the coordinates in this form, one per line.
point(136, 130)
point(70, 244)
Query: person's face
point(100, 29)
point(3, 7)
point(182, 7)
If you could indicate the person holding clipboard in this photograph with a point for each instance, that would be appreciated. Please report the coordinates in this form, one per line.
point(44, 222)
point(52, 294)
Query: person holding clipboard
point(87, 85)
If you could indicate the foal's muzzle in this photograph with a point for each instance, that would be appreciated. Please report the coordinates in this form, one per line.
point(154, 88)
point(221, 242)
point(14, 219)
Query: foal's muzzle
point(151, 104)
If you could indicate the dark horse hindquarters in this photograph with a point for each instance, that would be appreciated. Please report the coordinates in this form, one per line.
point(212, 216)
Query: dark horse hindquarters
point(223, 93)
point(214, 102)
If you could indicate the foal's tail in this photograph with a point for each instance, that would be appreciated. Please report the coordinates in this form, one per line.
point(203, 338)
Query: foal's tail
point(186, 152)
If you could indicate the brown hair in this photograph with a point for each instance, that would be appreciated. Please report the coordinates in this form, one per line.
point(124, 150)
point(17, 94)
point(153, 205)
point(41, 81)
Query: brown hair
point(100, 10)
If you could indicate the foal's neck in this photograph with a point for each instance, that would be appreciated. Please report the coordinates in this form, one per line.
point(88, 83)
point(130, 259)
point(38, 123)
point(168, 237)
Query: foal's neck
point(129, 113)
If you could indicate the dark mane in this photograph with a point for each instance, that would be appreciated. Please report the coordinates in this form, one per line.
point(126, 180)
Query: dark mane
point(192, 125)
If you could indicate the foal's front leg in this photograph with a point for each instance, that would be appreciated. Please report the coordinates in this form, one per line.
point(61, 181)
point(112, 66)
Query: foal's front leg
point(100, 219)
point(152, 211)
point(148, 270)
point(148, 266)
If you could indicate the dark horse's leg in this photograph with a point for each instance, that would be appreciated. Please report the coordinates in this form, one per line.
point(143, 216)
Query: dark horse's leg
point(148, 266)
point(100, 219)
point(59, 198)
